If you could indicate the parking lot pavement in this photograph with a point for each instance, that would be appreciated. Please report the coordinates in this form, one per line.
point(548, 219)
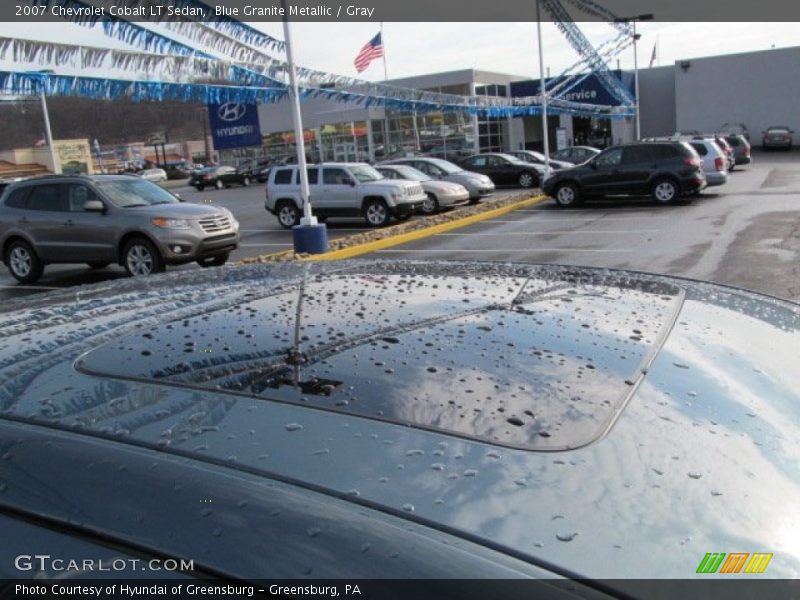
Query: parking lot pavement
point(746, 233)
point(260, 234)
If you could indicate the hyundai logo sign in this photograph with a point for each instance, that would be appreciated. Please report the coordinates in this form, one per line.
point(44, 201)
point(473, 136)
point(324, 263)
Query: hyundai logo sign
point(231, 111)
point(234, 125)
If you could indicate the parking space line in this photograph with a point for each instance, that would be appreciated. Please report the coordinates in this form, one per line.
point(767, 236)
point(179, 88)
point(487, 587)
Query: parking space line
point(29, 287)
point(506, 250)
point(559, 232)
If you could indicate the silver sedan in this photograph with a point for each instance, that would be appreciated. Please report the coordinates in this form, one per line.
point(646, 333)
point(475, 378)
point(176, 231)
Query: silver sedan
point(441, 194)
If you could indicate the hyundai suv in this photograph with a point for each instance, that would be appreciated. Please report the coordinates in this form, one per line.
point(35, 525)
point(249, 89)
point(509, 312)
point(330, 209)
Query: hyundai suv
point(342, 190)
point(105, 219)
point(664, 170)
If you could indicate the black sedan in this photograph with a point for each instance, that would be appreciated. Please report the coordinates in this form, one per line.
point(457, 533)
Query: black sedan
point(537, 158)
point(504, 169)
point(397, 421)
point(219, 177)
point(664, 170)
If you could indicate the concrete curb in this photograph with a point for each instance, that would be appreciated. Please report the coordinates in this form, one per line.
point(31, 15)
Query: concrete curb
point(403, 238)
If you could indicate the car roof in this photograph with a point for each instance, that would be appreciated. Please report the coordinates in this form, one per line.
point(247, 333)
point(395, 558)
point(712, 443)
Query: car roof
point(636, 381)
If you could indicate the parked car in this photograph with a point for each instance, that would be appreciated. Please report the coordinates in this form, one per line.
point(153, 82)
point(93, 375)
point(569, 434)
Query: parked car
point(218, 177)
point(105, 219)
point(537, 158)
point(478, 185)
point(665, 170)
point(732, 129)
point(575, 154)
point(154, 175)
point(726, 148)
point(401, 421)
point(715, 161)
point(342, 190)
point(777, 137)
point(504, 169)
point(441, 194)
point(741, 148)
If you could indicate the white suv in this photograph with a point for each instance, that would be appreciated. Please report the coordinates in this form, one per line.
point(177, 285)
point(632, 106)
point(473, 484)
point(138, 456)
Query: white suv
point(342, 190)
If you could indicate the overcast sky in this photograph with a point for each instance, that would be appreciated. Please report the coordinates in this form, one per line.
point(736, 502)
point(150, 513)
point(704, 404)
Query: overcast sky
point(419, 48)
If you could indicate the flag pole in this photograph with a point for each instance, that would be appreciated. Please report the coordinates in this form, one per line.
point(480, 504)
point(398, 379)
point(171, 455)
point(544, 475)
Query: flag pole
point(383, 43)
point(543, 93)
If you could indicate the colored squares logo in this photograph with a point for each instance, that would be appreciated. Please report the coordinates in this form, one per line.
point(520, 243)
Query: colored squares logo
point(735, 562)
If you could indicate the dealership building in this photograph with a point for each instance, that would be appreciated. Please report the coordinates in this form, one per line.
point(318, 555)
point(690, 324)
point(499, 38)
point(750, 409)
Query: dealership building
point(756, 89)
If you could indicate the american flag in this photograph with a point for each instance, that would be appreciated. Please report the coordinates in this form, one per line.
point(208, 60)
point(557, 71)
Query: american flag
point(372, 49)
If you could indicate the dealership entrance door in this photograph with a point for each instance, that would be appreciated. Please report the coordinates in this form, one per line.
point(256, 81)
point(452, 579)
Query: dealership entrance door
point(590, 131)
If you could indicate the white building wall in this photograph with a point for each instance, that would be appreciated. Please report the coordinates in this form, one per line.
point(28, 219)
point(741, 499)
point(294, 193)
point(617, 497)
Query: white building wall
point(758, 89)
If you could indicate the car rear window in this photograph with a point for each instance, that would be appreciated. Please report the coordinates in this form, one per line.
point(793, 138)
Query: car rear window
point(283, 176)
point(506, 360)
point(700, 148)
point(48, 198)
point(16, 198)
point(733, 140)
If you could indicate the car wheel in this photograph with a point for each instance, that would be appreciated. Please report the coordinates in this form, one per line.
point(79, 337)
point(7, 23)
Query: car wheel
point(431, 205)
point(246, 181)
point(376, 213)
point(200, 188)
point(97, 265)
point(141, 258)
point(288, 215)
point(567, 195)
point(213, 261)
point(665, 191)
point(526, 179)
point(23, 263)
point(219, 185)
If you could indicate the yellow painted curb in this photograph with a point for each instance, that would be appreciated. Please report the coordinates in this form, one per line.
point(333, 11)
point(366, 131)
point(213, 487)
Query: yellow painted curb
point(404, 238)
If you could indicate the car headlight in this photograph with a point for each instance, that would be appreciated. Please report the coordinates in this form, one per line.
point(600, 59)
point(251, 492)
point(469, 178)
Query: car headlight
point(170, 223)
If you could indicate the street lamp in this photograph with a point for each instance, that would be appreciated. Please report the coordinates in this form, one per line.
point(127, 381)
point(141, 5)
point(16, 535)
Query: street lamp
point(636, 36)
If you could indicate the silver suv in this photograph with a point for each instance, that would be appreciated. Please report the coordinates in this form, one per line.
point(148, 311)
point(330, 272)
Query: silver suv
point(104, 219)
point(342, 190)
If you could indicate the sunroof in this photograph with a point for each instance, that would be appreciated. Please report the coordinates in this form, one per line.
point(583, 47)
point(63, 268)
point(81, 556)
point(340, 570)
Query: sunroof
point(526, 363)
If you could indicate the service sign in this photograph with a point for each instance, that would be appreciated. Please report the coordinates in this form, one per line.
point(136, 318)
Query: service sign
point(234, 125)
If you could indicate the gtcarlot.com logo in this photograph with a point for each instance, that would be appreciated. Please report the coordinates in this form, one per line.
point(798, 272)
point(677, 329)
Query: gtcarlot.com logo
point(46, 563)
point(735, 562)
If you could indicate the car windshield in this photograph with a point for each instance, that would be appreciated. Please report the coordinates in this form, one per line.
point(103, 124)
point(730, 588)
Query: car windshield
point(127, 193)
point(411, 173)
point(445, 165)
point(365, 173)
point(511, 158)
point(778, 130)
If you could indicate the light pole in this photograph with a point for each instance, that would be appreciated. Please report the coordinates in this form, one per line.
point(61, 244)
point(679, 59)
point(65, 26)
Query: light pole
point(542, 92)
point(309, 237)
point(636, 37)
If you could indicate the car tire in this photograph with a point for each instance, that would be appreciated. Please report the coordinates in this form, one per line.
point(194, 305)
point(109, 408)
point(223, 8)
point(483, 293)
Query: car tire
point(219, 185)
point(213, 261)
point(526, 179)
point(199, 188)
point(23, 263)
point(98, 264)
point(140, 257)
point(288, 214)
point(665, 191)
point(431, 205)
point(566, 195)
point(376, 213)
point(246, 181)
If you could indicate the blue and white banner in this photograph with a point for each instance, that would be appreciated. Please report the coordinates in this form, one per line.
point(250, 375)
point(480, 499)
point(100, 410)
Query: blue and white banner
point(234, 125)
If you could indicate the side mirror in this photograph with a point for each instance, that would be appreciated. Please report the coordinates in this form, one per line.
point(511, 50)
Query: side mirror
point(351, 183)
point(94, 206)
point(593, 164)
point(178, 196)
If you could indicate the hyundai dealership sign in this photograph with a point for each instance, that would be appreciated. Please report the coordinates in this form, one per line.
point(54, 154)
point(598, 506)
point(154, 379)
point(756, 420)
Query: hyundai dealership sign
point(234, 125)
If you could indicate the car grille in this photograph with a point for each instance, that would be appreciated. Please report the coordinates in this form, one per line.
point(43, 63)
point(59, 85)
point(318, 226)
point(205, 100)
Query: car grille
point(215, 224)
point(415, 190)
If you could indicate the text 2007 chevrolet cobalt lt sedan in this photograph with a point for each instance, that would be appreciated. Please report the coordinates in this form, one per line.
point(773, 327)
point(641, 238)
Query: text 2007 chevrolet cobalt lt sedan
point(405, 420)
